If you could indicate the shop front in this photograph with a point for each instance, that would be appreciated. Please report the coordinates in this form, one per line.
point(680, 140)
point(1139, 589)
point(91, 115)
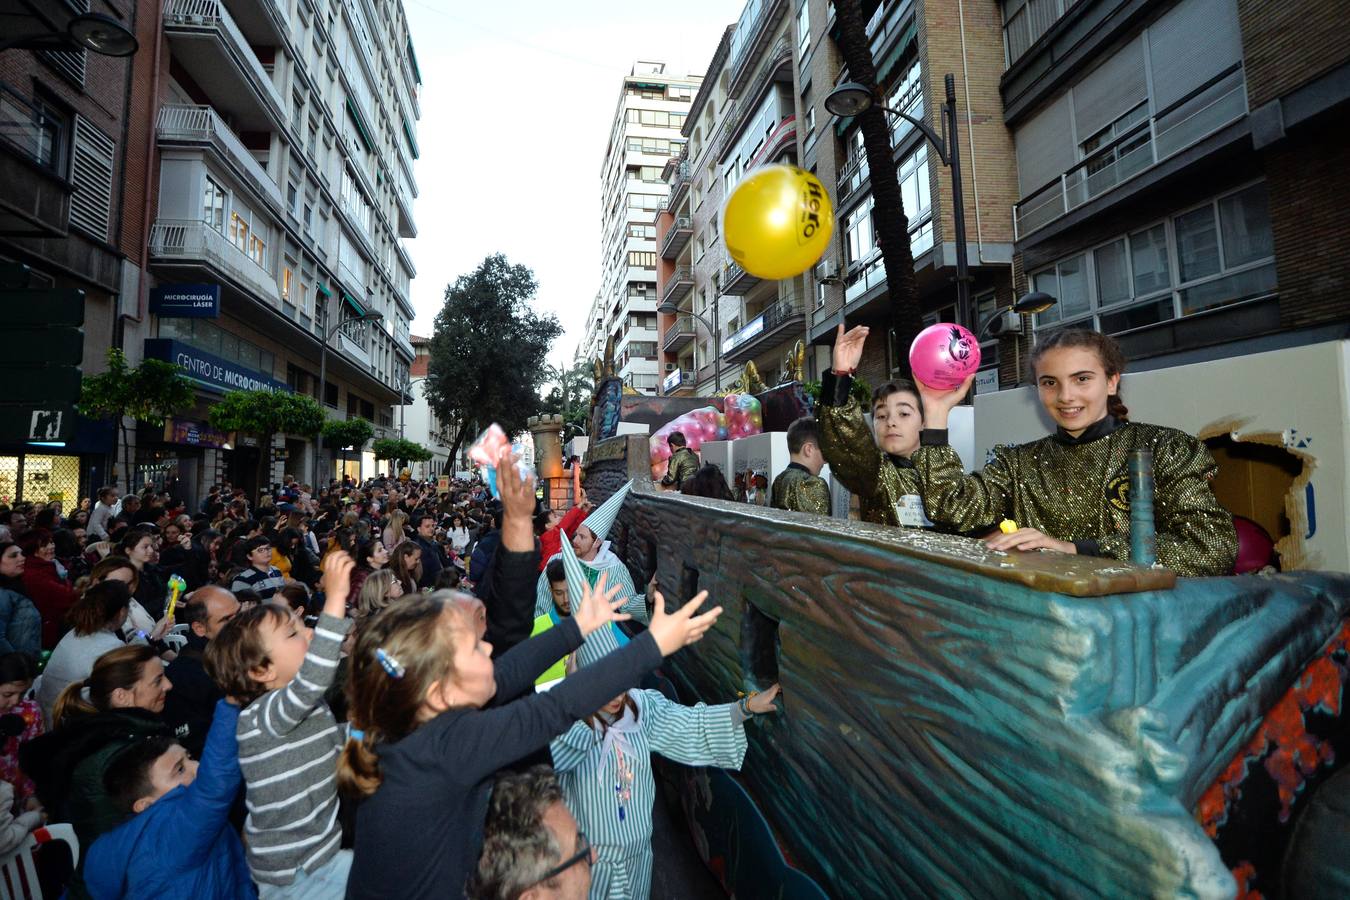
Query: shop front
point(65, 471)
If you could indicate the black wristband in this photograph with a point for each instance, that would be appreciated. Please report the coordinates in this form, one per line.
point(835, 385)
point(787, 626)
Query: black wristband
point(933, 437)
point(835, 388)
point(1087, 547)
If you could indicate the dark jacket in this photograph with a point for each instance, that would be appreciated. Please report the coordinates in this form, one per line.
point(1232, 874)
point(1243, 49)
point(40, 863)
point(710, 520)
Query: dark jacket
point(432, 561)
point(189, 706)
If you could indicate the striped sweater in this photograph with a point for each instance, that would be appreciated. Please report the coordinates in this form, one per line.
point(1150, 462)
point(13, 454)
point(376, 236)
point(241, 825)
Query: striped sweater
point(288, 748)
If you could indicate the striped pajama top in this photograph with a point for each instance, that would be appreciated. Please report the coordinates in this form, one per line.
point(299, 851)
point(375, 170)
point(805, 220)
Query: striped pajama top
point(288, 749)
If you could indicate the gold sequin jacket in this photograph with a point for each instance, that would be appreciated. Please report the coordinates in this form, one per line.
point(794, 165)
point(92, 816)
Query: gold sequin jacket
point(1077, 489)
point(796, 488)
point(879, 479)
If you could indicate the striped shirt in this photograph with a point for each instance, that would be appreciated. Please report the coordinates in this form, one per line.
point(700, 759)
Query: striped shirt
point(264, 583)
point(288, 748)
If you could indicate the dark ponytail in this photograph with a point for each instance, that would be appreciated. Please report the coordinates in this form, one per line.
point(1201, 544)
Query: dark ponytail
point(1108, 353)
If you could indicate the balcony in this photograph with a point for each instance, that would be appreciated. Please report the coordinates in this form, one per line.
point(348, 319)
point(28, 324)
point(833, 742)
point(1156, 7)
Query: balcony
point(188, 243)
point(678, 286)
point(407, 228)
point(853, 177)
point(679, 334)
point(354, 349)
point(202, 126)
point(784, 138)
point(678, 380)
point(679, 187)
point(208, 44)
point(1220, 102)
point(677, 238)
point(786, 316)
point(736, 281)
point(748, 47)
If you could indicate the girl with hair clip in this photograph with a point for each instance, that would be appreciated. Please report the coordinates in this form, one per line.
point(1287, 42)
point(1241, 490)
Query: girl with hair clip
point(1069, 492)
point(433, 720)
point(605, 766)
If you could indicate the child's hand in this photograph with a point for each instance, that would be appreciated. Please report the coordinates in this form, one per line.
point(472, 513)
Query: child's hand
point(598, 606)
point(762, 702)
point(848, 347)
point(517, 494)
point(161, 628)
point(681, 628)
point(337, 582)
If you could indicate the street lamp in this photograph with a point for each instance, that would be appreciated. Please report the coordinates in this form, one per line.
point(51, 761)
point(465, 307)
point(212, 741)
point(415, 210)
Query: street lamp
point(852, 98)
point(323, 380)
point(1026, 305)
point(669, 308)
point(89, 31)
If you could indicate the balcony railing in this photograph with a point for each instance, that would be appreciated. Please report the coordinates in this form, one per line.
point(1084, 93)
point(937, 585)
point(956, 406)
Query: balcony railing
point(680, 283)
point(196, 15)
point(1220, 102)
point(780, 313)
point(189, 241)
point(677, 238)
point(679, 334)
point(353, 348)
point(203, 125)
point(679, 187)
point(736, 280)
point(751, 43)
point(852, 177)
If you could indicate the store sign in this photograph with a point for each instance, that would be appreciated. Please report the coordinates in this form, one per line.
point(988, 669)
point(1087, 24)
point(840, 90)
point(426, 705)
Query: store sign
point(210, 370)
point(986, 381)
point(194, 434)
point(186, 301)
point(672, 381)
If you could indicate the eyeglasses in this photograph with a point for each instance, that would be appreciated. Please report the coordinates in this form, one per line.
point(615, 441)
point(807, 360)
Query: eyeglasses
point(583, 854)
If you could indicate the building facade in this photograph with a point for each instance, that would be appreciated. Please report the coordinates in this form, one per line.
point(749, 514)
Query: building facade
point(645, 134)
point(417, 422)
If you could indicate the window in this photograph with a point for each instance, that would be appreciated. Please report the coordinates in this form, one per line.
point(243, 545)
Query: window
point(1213, 255)
point(36, 129)
point(213, 205)
point(239, 231)
point(906, 95)
point(257, 251)
point(917, 200)
point(287, 278)
point(292, 198)
point(636, 230)
point(859, 240)
point(803, 31)
point(642, 259)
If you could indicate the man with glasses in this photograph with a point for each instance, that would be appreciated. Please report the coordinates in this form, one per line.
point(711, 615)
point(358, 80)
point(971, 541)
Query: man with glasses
point(532, 849)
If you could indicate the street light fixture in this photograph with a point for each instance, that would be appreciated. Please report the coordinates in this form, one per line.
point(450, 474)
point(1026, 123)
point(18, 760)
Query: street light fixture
point(89, 31)
point(1025, 305)
point(852, 98)
point(670, 308)
point(372, 316)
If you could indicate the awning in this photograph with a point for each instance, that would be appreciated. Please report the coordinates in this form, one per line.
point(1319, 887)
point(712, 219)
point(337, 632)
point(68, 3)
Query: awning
point(412, 141)
point(360, 125)
point(319, 286)
point(351, 301)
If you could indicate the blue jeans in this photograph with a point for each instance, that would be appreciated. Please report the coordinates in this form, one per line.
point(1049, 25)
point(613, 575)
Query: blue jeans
point(327, 882)
point(20, 624)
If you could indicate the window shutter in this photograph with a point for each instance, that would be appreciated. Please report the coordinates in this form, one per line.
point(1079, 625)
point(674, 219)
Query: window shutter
point(1109, 90)
point(1192, 43)
point(91, 171)
point(69, 63)
point(1045, 147)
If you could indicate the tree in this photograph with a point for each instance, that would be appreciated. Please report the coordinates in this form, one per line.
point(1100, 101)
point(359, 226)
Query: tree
point(399, 450)
point(488, 351)
point(570, 397)
point(888, 212)
point(150, 392)
point(347, 433)
point(265, 414)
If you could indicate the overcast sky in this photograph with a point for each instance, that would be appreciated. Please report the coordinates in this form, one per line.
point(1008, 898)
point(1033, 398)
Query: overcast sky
point(517, 101)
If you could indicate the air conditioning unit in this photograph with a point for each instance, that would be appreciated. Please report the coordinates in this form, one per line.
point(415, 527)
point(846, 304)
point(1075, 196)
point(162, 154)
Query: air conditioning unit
point(827, 272)
point(1005, 322)
point(670, 367)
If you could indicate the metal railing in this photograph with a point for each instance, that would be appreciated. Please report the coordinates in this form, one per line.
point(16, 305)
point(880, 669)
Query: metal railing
point(681, 281)
point(679, 333)
point(213, 14)
point(735, 280)
point(852, 177)
point(192, 241)
point(780, 311)
point(203, 124)
point(678, 186)
point(780, 54)
point(1220, 102)
point(680, 232)
point(769, 12)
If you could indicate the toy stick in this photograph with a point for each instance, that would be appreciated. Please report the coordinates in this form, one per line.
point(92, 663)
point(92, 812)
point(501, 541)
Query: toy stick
point(176, 586)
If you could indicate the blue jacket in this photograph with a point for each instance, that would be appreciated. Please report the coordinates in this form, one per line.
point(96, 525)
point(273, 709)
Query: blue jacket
point(183, 845)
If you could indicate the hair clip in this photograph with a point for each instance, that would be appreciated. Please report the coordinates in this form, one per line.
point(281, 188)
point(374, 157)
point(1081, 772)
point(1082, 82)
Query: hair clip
point(391, 665)
point(356, 734)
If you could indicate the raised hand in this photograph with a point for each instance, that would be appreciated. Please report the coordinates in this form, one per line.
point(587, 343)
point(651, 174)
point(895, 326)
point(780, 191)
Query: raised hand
point(598, 606)
point(937, 403)
point(681, 628)
point(848, 347)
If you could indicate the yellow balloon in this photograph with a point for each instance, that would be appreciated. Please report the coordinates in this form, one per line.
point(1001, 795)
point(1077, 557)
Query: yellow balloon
point(777, 222)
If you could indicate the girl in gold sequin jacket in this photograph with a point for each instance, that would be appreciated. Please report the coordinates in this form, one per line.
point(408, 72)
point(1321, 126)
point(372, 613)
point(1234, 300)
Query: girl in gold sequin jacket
point(1068, 492)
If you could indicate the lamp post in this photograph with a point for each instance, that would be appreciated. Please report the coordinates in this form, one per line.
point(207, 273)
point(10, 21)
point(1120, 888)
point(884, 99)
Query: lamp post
point(669, 308)
point(852, 98)
point(89, 31)
point(323, 379)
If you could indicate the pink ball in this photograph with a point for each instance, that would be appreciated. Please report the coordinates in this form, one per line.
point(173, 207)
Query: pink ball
point(944, 355)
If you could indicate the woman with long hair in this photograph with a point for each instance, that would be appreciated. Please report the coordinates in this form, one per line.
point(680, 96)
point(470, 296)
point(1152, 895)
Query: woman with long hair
point(20, 621)
point(45, 586)
point(141, 548)
point(406, 564)
point(394, 533)
point(95, 622)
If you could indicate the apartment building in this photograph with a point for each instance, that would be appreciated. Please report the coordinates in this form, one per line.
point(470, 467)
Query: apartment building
point(70, 212)
point(645, 134)
point(416, 419)
point(285, 137)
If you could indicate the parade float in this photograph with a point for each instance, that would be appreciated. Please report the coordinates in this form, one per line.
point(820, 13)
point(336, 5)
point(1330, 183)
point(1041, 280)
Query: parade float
point(959, 722)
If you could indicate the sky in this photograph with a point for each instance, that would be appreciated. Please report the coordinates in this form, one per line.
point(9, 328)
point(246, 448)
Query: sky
point(517, 99)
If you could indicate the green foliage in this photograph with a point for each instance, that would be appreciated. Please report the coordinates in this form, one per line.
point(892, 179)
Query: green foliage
point(398, 448)
point(344, 433)
point(860, 391)
point(150, 392)
point(264, 413)
point(488, 351)
point(570, 396)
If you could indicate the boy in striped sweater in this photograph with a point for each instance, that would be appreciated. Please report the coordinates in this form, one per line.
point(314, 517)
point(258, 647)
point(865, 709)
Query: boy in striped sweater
point(288, 738)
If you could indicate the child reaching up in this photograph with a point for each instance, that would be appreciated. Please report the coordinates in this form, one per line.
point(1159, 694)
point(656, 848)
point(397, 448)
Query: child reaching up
point(179, 841)
point(288, 738)
point(426, 741)
point(605, 767)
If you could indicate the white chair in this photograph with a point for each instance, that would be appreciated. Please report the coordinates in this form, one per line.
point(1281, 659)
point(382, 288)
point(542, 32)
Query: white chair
point(180, 629)
point(176, 641)
point(18, 875)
